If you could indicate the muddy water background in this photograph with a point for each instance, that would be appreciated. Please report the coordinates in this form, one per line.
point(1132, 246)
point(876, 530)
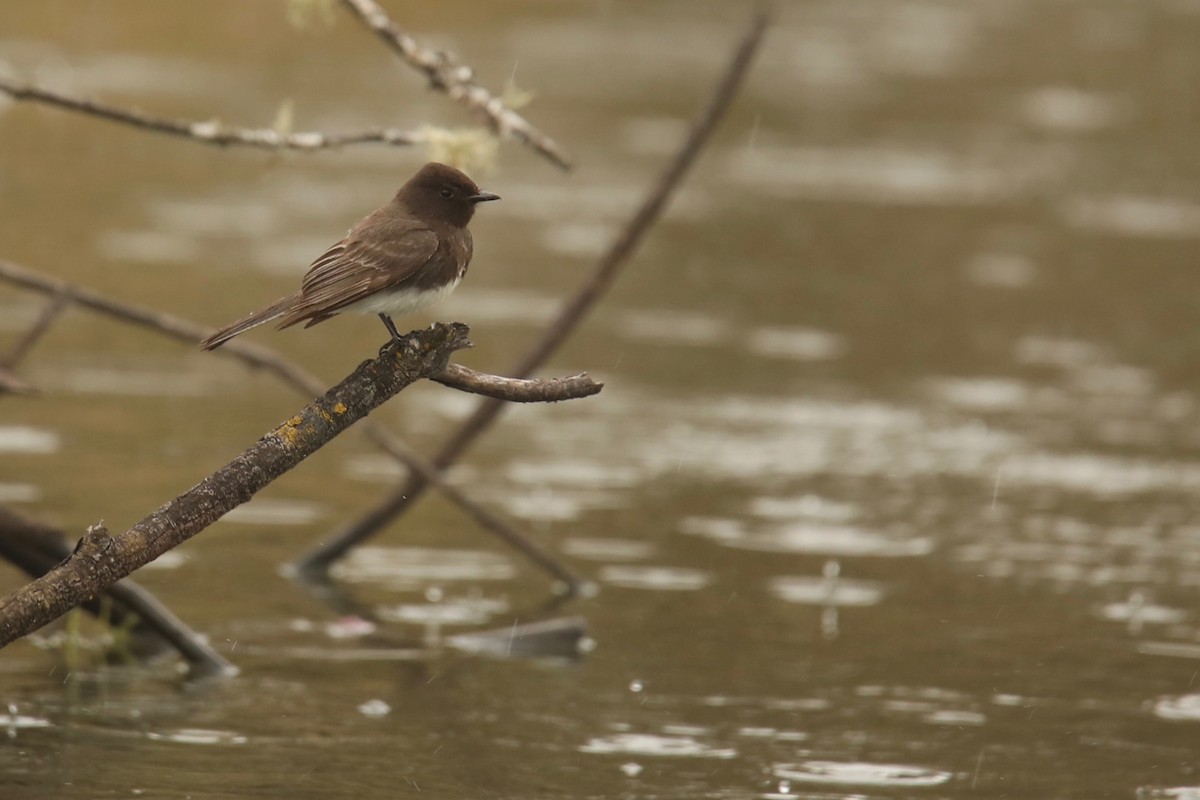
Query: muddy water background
point(896, 463)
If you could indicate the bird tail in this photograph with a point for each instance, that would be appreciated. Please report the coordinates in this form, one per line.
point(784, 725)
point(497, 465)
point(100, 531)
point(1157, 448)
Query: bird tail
point(273, 311)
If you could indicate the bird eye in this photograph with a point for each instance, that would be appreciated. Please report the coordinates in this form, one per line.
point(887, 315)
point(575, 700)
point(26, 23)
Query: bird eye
point(447, 194)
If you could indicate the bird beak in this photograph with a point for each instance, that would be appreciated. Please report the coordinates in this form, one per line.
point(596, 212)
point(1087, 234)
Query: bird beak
point(483, 197)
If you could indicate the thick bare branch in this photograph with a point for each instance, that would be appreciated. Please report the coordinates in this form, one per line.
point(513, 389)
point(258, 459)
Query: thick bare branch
point(210, 131)
point(457, 81)
point(100, 560)
point(293, 375)
point(36, 548)
point(572, 312)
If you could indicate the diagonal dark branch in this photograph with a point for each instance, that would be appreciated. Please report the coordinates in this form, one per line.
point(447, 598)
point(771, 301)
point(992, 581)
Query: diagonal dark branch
point(456, 81)
point(13, 383)
point(99, 560)
point(35, 332)
point(209, 132)
point(571, 314)
point(293, 375)
point(9, 380)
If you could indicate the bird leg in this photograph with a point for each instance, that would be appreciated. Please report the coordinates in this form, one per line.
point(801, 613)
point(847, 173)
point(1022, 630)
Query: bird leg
point(391, 326)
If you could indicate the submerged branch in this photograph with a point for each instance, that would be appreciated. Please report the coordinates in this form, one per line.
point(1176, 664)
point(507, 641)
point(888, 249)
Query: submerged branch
point(36, 548)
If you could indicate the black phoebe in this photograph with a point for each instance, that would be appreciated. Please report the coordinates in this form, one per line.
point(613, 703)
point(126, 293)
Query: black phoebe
point(396, 260)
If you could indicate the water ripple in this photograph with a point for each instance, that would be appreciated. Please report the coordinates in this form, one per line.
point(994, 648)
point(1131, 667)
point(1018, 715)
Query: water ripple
point(607, 549)
point(19, 493)
point(675, 327)
point(454, 611)
point(133, 382)
point(809, 538)
point(809, 590)
point(890, 174)
point(24, 439)
point(1183, 708)
point(1133, 215)
point(1171, 793)
point(799, 344)
point(678, 579)
point(410, 567)
point(275, 512)
point(648, 744)
point(197, 736)
point(857, 773)
point(13, 722)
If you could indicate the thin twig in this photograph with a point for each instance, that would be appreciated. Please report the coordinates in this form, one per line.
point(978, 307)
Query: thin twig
point(177, 328)
point(291, 374)
point(513, 390)
point(9, 380)
point(99, 560)
point(457, 81)
point(12, 383)
point(36, 331)
point(337, 545)
point(210, 131)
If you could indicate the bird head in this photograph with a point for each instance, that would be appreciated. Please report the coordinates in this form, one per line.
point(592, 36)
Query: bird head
point(441, 192)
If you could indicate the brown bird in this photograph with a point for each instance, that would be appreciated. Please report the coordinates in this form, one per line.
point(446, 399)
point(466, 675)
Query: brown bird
point(396, 260)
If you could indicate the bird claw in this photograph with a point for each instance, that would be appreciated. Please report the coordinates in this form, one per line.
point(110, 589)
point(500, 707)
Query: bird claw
point(396, 339)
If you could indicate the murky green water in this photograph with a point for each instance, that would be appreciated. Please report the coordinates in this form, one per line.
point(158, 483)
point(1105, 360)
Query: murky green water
point(891, 490)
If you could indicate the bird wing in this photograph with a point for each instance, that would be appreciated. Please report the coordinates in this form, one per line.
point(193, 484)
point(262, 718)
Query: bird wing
point(360, 265)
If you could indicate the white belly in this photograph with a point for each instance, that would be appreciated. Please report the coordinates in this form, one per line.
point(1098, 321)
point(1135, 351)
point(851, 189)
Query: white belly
point(401, 301)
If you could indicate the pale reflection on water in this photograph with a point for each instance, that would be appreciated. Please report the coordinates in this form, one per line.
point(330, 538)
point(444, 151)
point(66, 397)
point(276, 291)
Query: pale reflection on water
point(410, 567)
point(275, 512)
point(24, 439)
point(892, 176)
point(648, 744)
point(860, 774)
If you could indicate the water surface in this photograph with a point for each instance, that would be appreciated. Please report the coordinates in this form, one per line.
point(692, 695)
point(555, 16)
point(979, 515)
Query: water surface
point(891, 490)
